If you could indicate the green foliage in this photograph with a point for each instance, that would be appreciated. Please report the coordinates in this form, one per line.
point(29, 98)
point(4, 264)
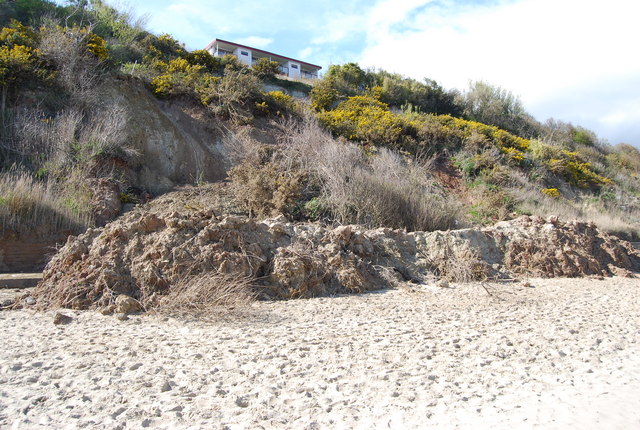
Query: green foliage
point(97, 46)
point(364, 119)
point(349, 79)
point(625, 157)
point(577, 172)
point(498, 107)
point(231, 95)
point(15, 63)
point(447, 132)
point(18, 34)
point(177, 77)
point(111, 23)
point(490, 204)
point(551, 192)
point(202, 57)
point(568, 165)
point(265, 68)
point(27, 11)
point(323, 95)
point(277, 103)
point(163, 48)
point(426, 97)
point(584, 136)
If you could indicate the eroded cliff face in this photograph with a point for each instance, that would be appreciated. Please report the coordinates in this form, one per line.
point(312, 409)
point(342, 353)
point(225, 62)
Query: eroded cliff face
point(146, 252)
point(177, 142)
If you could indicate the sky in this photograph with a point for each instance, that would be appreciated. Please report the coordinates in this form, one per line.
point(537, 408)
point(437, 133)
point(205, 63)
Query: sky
point(572, 60)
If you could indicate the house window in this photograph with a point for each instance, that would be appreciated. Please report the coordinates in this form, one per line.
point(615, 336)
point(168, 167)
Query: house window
point(294, 66)
point(244, 53)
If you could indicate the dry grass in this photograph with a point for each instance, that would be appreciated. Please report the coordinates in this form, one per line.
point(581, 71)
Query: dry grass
point(206, 294)
point(26, 205)
point(459, 264)
point(610, 219)
point(386, 189)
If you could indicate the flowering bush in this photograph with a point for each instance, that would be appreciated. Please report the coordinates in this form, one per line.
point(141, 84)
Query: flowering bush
point(551, 192)
point(364, 119)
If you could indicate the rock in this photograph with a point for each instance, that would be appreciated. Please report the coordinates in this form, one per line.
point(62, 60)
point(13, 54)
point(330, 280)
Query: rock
point(106, 202)
point(30, 301)
point(442, 283)
point(166, 386)
point(59, 319)
point(121, 317)
point(242, 402)
point(127, 305)
point(7, 303)
point(108, 310)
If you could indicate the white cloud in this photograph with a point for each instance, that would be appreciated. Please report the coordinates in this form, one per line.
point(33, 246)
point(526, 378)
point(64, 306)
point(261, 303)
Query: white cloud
point(255, 41)
point(534, 48)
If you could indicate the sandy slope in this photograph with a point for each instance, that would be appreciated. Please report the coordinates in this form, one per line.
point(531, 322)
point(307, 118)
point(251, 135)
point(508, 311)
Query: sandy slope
point(565, 353)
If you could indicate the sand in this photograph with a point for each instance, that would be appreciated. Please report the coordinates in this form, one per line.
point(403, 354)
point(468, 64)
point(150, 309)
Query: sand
point(564, 353)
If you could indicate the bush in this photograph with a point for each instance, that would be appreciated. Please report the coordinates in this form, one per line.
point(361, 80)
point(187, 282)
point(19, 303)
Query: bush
point(575, 171)
point(177, 77)
point(265, 68)
point(266, 189)
point(498, 107)
point(231, 95)
point(324, 96)
point(551, 192)
point(278, 104)
point(364, 119)
point(446, 132)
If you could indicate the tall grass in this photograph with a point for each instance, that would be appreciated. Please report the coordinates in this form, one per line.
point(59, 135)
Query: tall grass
point(29, 205)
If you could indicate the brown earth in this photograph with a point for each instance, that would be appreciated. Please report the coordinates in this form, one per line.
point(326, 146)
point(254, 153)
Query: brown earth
point(181, 235)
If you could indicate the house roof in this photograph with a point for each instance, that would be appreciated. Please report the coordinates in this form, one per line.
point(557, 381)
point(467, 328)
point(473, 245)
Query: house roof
point(262, 52)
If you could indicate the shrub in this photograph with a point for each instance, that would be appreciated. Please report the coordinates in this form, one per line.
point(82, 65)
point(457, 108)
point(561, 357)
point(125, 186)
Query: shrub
point(426, 97)
point(78, 69)
point(266, 189)
point(349, 79)
point(231, 95)
point(364, 119)
point(490, 204)
point(277, 103)
point(323, 95)
point(383, 191)
point(551, 192)
point(178, 77)
point(203, 58)
point(265, 68)
point(498, 107)
point(575, 171)
point(447, 132)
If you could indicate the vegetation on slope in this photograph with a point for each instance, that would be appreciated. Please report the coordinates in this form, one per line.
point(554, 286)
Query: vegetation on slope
point(369, 147)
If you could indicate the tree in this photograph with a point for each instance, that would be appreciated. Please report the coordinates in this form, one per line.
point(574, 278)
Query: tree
point(496, 106)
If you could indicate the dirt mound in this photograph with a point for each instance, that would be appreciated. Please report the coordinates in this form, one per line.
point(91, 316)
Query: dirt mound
point(144, 254)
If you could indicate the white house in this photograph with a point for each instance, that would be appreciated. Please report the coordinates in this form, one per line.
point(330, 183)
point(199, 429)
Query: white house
point(249, 56)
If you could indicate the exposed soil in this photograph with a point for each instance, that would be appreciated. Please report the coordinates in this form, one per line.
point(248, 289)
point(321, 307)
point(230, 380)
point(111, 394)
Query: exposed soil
point(180, 235)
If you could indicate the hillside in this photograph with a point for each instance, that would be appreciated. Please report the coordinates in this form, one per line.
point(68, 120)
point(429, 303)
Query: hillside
point(99, 115)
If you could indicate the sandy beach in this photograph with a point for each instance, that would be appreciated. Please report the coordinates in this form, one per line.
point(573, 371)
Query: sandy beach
point(559, 353)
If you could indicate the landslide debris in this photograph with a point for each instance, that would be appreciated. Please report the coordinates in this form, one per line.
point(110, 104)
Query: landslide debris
point(145, 252)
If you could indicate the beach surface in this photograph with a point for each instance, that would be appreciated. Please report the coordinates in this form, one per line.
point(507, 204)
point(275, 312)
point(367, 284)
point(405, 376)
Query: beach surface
point(547, 353)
